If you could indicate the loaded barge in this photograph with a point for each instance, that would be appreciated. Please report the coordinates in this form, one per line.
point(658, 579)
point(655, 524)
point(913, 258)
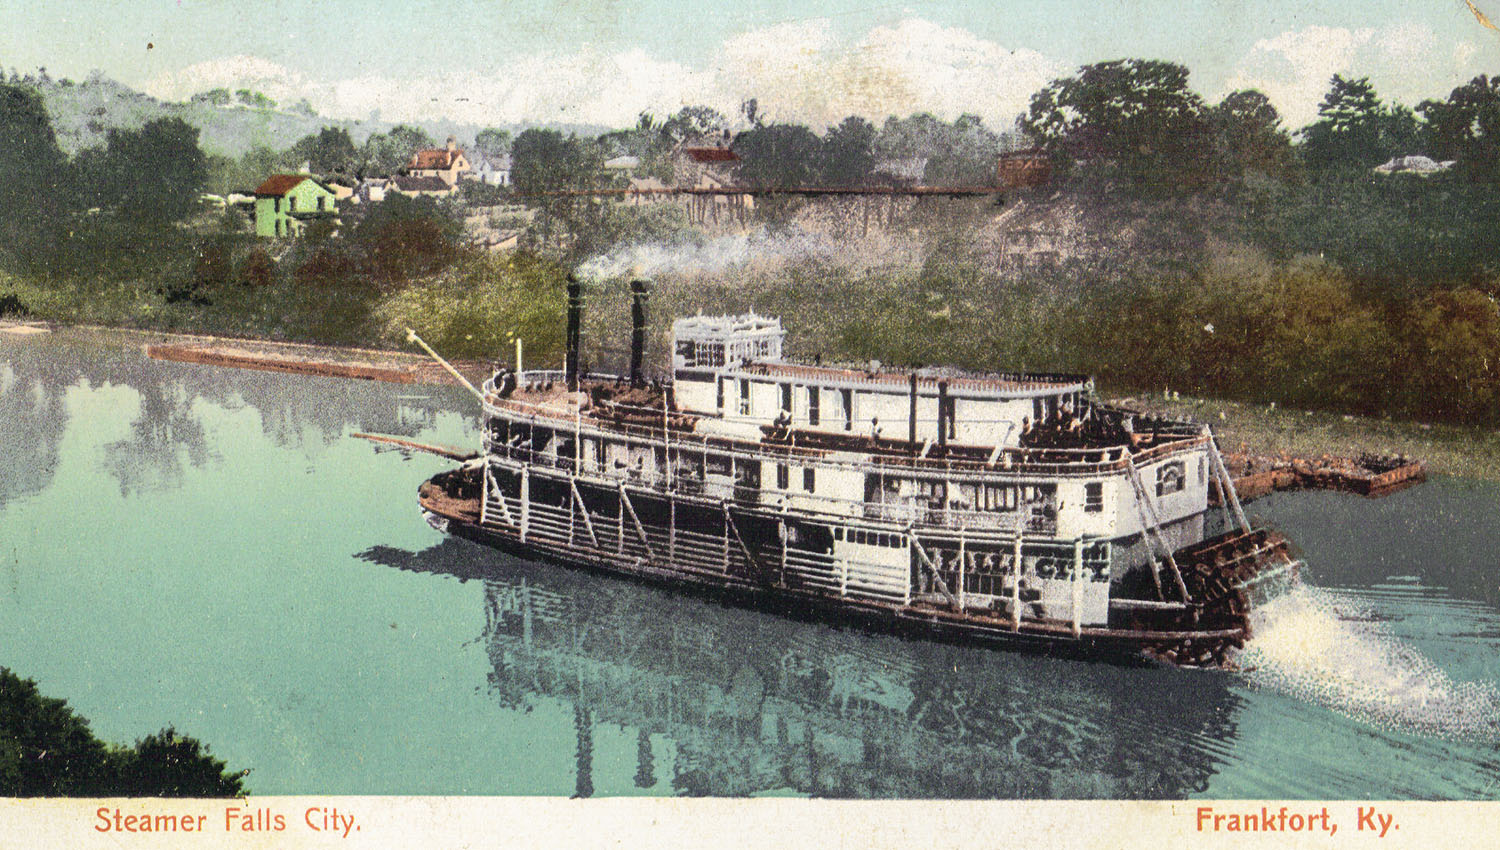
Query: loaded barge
point(1013, 509)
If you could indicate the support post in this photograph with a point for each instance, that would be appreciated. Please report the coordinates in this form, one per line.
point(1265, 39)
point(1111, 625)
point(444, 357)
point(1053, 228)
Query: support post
point(1226, 486)
point(963, 556)
point(525, 501)
point(1077, 601)
point(1015, 590)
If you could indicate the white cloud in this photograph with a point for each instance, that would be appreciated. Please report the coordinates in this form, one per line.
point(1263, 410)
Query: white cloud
point(1293, 69)
point(798, 71)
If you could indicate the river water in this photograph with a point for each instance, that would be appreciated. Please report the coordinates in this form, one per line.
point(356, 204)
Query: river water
point(211, 549)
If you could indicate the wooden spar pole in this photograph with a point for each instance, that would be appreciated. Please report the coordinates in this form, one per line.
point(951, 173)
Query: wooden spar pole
point(1226, 487)
point(411, 336)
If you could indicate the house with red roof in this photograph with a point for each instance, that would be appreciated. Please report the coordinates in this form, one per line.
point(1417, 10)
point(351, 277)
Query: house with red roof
point(286, 203)
point(448, 163)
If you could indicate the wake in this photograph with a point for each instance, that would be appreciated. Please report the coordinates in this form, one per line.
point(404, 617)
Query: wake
point(1305, 646)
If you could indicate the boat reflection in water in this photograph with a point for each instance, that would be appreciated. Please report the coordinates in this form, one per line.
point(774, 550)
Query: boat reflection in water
point(756, 703)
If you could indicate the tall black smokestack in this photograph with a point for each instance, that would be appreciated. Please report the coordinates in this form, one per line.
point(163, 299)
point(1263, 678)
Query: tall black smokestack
point(638, 292)
point(575, 317)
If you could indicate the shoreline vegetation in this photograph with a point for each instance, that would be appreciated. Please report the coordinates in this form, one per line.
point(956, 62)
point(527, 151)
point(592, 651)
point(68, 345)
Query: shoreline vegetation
point(46, 749)
point(1262, 430)
point(1161, 241)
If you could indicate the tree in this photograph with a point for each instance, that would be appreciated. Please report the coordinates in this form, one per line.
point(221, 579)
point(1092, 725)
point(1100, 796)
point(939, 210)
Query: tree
point(847, 157)
point(1247, 137)
point(326, 151)
point(153, 174)
point(779, 155)
point(1132, 118)
point(1355, 131)
point(47, 750)
point(1466, 127)
point(694, 124)
point(548, 161)
point(33, 190)
point(387, 153)
point(492, 141)
point(402, 238)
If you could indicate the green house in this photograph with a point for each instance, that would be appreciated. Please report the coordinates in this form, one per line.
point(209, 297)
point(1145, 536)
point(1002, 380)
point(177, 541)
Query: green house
point(286, 203)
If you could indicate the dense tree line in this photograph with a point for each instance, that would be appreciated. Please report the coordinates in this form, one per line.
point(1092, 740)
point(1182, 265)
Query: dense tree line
point(48, 750)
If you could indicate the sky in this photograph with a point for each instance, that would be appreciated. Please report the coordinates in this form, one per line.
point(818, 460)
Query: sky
point(605, 61)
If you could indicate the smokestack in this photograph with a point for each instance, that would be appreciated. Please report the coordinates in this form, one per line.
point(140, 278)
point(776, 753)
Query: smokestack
point(944, 420)
point(638, 292)
point(575, 317)
point(912, 417)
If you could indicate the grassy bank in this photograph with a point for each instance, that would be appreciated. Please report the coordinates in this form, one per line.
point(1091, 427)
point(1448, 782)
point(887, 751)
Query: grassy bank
point(1264, 430)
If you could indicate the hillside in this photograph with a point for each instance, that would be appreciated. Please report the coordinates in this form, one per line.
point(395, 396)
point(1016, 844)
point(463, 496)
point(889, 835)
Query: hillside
point(83, 113)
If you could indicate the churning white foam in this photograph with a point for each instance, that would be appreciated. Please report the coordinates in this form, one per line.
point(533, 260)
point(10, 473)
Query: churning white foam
point(1306, 644)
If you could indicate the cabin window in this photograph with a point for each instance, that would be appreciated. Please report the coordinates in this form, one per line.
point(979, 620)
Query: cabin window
point(1171, 478)
point(599, 455)
point(786, 398)
point(838, 534)
point(685, 350)
point(567, 449)
point(783, 476)
point(812, 405)
point(1093, 497)
point(719, 465)
point(744, 397)
point(848, 399)
point(809, 478)
point(997, 497)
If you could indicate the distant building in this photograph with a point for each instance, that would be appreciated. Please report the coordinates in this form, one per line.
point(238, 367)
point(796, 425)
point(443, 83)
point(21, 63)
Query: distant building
point(446, 164)
point(371, 190)
point(1018, 169)
point(491, 170)
point(432, 187)
point(286, 203)
point(692, 164)
point(1419, 165)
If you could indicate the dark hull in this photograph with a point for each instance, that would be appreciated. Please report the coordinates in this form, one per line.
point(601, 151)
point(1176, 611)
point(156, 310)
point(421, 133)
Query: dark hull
point(890, 619)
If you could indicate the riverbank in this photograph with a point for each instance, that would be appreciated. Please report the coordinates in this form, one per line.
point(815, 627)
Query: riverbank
point(1266, 430)
point(1251, 429)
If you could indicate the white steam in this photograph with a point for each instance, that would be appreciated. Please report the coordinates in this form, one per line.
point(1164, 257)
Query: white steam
point(748, 252)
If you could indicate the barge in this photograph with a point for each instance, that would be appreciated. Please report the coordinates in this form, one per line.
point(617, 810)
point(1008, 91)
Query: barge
point(1013, 509)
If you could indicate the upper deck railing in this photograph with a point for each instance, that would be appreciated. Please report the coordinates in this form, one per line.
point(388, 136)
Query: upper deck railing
point(1008, 462)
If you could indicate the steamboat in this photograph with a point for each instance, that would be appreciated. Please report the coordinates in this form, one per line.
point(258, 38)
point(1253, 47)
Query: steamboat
point(1014, 509)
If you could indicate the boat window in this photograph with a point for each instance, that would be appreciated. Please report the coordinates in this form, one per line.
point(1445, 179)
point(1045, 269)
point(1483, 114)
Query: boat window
point(848, 399)
point(744, 397)
point(998, 497)
point(786, 398)
point(719, 465)
point(687, 350)
point(812, 405)
point(567, 448)
point(1171, 478)
point(809, 478)
point(783, 476)
point(719, 397)
point(1093, 497)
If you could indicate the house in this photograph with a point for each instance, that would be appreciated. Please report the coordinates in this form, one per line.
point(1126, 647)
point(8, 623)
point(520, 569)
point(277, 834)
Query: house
point(446, 164)
point(1018, 169)
point(1419, 165)
point(431, 186)
point(692, 163)
point(371, 190)
point(286, 203)
point(342, 187)
point(491, 170)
